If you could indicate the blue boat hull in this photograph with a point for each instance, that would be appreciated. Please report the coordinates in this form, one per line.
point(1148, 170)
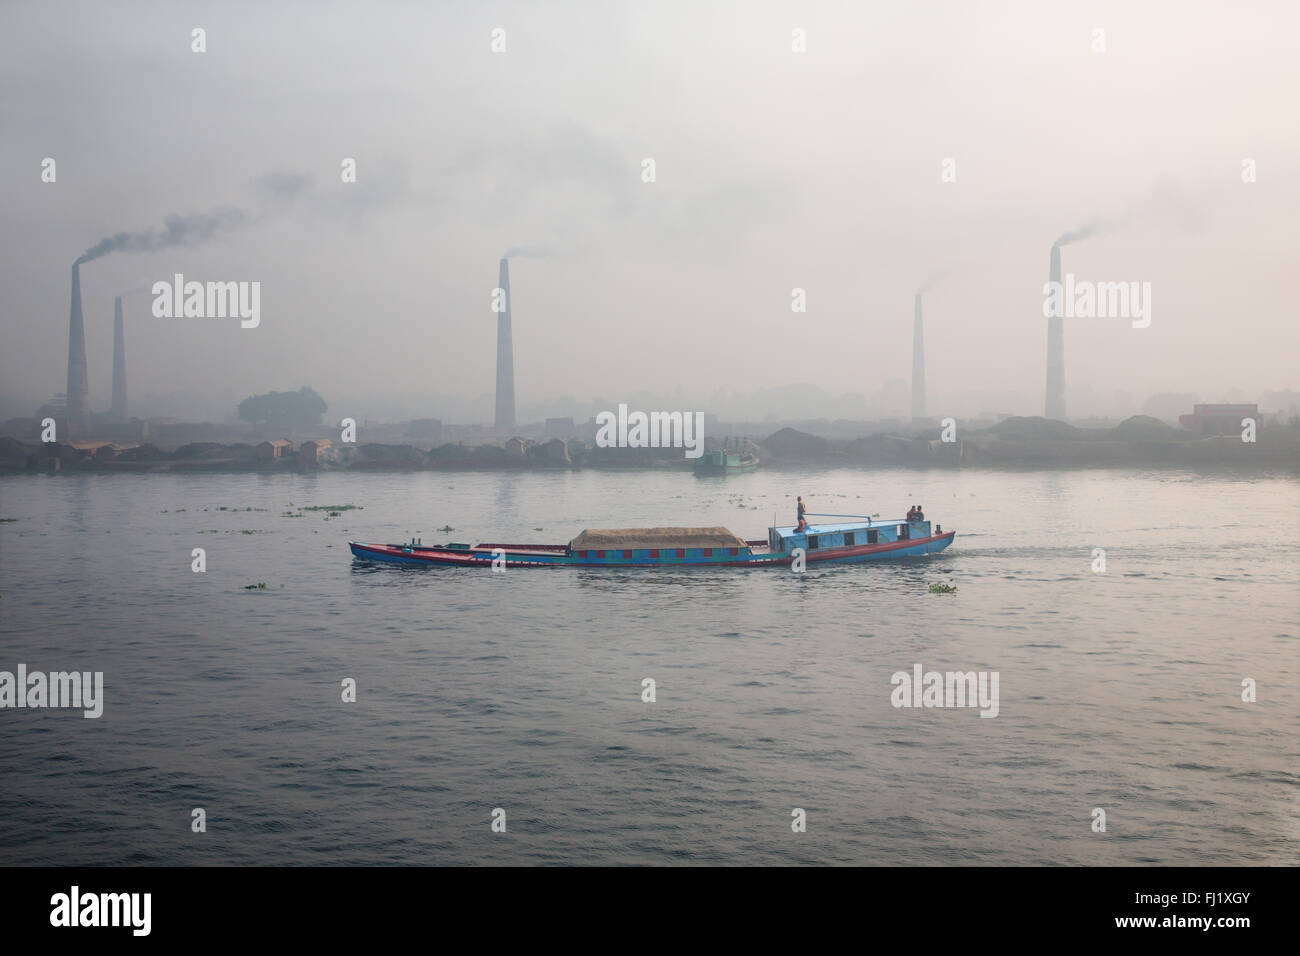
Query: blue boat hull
point(558, 556)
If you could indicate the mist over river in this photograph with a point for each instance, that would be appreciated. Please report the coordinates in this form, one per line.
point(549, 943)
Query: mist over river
point(1119, 690)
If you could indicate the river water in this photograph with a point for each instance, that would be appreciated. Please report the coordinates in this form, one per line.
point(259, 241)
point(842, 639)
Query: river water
point(1118, 690)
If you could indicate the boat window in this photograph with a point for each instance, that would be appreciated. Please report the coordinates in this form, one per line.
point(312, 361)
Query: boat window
point(873, 537)
point(812, 541)
point(849, 539)
point(902, 532)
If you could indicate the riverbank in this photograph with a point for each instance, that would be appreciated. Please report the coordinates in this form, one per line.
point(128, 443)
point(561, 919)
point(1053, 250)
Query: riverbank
point(1012, 443)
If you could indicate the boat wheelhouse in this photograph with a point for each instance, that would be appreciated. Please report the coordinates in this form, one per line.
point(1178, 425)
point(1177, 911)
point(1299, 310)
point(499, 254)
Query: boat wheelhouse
point(855, 538)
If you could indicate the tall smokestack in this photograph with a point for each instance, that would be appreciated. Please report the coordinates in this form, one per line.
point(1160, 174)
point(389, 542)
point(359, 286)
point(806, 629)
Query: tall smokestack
point(78, 381)
point(918, 362)
point(1055, 403)
point(505, 415)
point(119, 362)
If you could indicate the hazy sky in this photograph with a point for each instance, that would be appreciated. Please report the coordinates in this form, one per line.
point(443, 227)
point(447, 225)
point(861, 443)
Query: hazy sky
point(775, 170)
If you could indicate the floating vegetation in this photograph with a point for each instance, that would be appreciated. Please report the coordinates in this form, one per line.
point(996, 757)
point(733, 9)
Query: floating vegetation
point(292, 514)
point(938, 588)
point(12, 520)
point(330, 508)
point(446, 528)
point(535, 529)
point(259, 586)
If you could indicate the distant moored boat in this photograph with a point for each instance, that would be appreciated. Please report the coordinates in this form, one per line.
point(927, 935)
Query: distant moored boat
point(721, 462)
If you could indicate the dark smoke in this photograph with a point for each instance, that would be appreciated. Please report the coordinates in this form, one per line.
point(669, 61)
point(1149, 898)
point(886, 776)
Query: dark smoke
point(527, 252)
point(1086, 231)
point(286, 185)
point(176, 231)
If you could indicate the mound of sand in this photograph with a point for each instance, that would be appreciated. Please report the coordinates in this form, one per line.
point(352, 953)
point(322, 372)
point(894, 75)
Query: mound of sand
point(1036, 428)
point(1146, 428)
point(597, 539)
point(789, 443)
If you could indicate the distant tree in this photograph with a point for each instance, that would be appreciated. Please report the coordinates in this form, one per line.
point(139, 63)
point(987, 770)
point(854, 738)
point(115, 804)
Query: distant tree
point(300, 409)
point(1167, 406)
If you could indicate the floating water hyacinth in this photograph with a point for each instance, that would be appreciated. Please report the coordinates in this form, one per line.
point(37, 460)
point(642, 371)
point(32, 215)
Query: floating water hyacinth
point(937, 588)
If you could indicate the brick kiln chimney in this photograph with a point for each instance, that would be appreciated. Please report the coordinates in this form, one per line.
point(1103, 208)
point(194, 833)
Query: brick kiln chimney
point(119, 362)
point(505, 411)
point(78, 381)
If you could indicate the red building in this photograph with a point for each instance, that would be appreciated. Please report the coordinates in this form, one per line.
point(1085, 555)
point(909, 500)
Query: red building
point(1219, 419)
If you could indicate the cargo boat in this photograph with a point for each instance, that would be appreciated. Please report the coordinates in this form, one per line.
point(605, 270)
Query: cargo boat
point(722, 462)
point(858, 538)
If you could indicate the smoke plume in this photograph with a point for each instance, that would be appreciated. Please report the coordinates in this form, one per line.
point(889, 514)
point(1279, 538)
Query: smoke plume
point(1167, 203)
point(1089, 229)
point(177, 230)
point(527, 252)
point(934, 279)
point(286, 185)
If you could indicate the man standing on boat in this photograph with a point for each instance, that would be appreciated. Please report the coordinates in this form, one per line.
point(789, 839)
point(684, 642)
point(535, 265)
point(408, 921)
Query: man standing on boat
point(803, 525)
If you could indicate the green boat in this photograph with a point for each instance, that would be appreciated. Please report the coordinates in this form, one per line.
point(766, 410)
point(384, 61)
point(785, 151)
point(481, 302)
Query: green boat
point(723, 462)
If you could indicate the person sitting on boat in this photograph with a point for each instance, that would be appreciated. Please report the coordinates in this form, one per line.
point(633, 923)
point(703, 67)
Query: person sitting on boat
point(920, 514)
point(911, 513)
point(803, 524)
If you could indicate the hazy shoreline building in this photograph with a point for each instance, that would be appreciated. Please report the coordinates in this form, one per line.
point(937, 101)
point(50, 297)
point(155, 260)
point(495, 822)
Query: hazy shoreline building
point(1220, 419)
